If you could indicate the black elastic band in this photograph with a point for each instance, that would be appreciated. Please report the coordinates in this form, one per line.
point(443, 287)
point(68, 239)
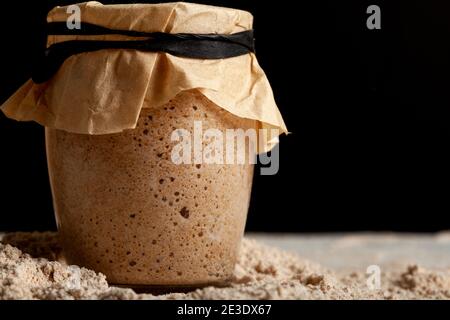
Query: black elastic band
point(197, 46)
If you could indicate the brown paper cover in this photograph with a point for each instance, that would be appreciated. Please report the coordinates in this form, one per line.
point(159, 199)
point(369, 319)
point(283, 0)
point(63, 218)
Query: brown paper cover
point(102, 92)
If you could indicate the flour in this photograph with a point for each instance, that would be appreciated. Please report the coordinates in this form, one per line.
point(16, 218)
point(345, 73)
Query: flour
point(262, 272)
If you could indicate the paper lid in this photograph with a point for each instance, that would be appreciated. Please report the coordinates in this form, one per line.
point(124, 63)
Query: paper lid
point(103, 91)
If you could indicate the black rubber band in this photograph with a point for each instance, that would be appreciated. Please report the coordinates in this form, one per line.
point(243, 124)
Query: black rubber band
point(197, 46)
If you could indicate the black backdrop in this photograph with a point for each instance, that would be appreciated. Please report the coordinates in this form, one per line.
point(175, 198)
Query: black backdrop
point(368, 109)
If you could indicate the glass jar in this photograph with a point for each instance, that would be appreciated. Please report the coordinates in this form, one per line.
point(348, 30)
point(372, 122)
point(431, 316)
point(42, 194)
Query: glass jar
point(115, 96)
point(125, 209)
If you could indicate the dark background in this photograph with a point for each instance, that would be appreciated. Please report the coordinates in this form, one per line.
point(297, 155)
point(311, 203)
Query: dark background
point(368, 109)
